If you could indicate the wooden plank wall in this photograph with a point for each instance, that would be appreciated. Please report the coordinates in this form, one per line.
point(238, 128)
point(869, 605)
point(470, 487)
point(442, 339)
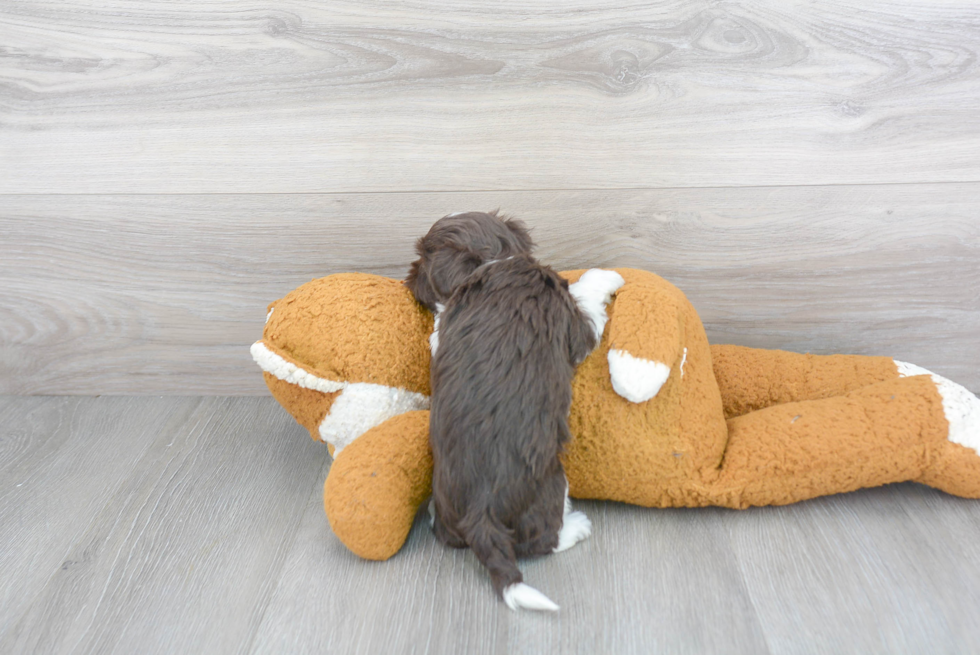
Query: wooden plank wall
point(809, 173)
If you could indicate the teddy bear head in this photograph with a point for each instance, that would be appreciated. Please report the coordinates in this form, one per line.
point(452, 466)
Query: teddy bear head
point(345, 353)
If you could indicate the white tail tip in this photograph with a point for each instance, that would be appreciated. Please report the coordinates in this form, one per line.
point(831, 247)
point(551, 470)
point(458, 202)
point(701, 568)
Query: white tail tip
point(521, 596)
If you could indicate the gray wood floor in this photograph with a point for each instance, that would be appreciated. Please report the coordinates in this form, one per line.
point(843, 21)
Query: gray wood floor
point(191, 525)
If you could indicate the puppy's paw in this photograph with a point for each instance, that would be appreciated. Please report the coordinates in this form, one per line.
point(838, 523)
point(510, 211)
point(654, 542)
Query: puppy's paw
point(575, 527)
point(637, 380)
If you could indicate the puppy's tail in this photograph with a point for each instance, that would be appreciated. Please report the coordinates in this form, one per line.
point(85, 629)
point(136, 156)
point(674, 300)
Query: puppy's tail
point(495, 550)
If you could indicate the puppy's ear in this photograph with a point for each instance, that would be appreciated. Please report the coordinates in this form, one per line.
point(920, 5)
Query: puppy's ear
point(581, 336)
point(449, 267)
point(522, 238)
point(417, 280)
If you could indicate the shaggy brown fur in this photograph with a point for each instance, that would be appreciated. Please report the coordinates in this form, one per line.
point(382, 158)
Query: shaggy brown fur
point(510, 339)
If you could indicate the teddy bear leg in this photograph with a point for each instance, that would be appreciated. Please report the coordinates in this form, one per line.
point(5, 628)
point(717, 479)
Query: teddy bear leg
point(955, 466)
point(377, 483)
point(954, 469)
point(751, 379)
point(892, 431)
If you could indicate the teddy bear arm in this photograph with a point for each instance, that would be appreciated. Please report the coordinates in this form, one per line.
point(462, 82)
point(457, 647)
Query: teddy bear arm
point(644, 341)
point(377, 483)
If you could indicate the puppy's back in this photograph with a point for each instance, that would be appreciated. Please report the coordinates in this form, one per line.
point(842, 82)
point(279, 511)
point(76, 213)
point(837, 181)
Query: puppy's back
point(509, 340)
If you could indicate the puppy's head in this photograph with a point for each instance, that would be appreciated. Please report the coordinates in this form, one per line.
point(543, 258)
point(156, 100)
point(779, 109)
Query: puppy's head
point(457, 245)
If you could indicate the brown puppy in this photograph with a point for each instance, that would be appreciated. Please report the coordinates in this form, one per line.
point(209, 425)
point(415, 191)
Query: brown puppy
point(455, 246)
point(510, 337)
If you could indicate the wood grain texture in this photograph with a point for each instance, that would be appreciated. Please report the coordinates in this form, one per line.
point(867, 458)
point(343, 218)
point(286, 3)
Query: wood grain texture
point(188, 525)
point(61, 461)
point(628, 589)
point(183, 555)
point(882, 571)
point(136, 96)
point(163, 294)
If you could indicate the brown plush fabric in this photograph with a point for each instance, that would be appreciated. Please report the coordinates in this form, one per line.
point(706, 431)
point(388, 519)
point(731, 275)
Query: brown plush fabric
point(881, 433)
point(954, 469)
point(350, 327)
point(377, 483)
point(751, 379)
point(353, 327)
point(731, 426)
point(307, 406)
point(646, 453)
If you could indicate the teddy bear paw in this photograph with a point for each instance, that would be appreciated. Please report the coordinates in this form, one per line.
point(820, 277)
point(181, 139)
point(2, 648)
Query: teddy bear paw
point(592, 292)
point(961, 406)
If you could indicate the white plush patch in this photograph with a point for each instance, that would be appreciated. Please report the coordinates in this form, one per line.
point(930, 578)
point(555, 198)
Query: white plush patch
point(359, 408)
point(272, 363)
point(434, 337)
point(592, 292)
point(520, 595)
point(363, 406)
point(269, 315)
point(683, 361)
point(961, 407)
point(637, 380)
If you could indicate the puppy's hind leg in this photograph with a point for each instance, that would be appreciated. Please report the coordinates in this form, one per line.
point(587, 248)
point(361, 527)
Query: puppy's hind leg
point(550, 525)
point(443, 534)
point(538, 529)
point(575, 526)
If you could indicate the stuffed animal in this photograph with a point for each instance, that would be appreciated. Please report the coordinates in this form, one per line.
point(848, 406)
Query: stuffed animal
point(659, 417)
